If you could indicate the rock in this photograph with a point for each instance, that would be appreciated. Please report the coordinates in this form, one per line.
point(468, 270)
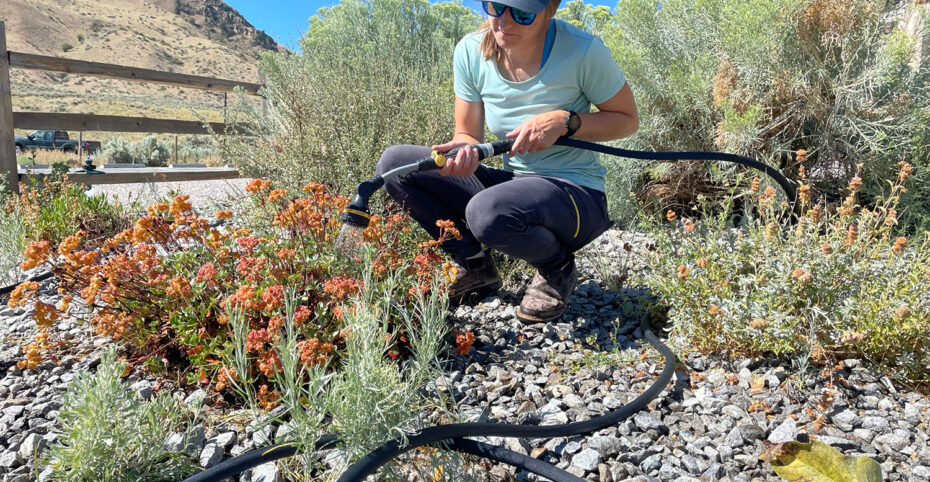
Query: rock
point(875, 423)
point(195, 399)
point(586, 460)
point(10, 459)
point(31, 446)
point(650, 463)
point(143, 389)
point(846, 420)
point(266, 473)
point(607, 446)
point(223, 440)
point(921, 471)
point(211, 455)
point(894, 441)
point(786, 432)
point(646, 421)
point(734, 439)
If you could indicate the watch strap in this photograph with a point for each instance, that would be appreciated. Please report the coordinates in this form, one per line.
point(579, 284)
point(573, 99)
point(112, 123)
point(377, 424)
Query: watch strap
point(572, 123)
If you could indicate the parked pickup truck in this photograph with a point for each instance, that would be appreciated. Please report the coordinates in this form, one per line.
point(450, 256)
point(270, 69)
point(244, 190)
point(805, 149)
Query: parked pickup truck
point(48, 139)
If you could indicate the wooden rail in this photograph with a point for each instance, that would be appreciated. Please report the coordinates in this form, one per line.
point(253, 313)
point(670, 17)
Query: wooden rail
point(91, 122)
point(139, 174)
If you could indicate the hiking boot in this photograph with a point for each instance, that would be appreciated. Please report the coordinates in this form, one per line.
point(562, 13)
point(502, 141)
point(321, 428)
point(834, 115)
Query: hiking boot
point(479, 277)
point(547, 295)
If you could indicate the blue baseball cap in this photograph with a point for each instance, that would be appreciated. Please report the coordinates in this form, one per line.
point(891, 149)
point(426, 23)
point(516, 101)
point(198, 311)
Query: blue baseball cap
point(531, 6)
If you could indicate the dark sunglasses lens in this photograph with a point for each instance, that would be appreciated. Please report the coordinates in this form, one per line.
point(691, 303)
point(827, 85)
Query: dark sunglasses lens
point(494, 9)
point(521, 17)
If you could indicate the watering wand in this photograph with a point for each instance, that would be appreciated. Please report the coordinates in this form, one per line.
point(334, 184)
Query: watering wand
point(355, 217)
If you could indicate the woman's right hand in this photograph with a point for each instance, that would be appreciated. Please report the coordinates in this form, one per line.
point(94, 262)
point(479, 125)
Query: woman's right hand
point(464, 164)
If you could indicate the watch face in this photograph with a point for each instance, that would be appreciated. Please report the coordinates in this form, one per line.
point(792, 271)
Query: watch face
point(574, 122)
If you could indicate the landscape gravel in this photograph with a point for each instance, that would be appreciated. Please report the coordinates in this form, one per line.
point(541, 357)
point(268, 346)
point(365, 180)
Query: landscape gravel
point(712, 423)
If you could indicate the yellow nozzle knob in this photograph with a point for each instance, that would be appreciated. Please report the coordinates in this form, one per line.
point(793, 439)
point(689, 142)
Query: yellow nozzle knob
point(439, 159)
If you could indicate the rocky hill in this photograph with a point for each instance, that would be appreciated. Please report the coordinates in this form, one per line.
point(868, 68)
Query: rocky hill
point(197, 37)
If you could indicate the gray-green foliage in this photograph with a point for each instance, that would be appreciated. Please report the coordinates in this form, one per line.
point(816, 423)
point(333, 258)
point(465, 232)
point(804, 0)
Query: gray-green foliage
point(117, 150)
point(367, 398)
point(151, 152)
point(108, 434)
point(372, 73)
point(12, 244)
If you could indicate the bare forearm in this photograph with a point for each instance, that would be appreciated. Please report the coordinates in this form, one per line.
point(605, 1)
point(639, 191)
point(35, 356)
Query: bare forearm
point(606, 126)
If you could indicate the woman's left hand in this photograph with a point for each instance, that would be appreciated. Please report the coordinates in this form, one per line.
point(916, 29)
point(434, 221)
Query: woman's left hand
point(539, 132)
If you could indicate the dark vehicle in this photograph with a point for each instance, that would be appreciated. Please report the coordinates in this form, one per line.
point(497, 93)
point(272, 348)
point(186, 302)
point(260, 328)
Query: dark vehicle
point(48, 139)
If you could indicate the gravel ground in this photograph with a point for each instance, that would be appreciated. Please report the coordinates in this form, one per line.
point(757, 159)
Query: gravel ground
point(710, 424)
point(204, 195)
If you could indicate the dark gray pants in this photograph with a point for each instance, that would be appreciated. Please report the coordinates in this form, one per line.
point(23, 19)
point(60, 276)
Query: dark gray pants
point(539, 219)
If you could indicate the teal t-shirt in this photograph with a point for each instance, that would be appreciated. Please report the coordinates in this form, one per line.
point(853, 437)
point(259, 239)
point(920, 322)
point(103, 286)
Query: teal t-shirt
point(579, 72)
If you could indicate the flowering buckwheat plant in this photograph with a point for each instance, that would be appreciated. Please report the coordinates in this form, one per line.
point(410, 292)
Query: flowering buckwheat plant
point(164, 285)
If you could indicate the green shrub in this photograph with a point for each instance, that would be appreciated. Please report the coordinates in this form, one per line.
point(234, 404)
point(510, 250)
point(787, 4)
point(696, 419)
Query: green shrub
point(117, 150)
point(151, 152)
point(835, 285)
point(106, 433)
point(372, 73)
point(55, 209)
point(66, 47)
point(326, 398)
point(766, 78)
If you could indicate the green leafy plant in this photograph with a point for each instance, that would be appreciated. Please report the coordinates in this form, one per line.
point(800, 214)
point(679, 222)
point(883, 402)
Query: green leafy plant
point(837, 284)
point(106, 433)
point(12, 244)
point(766, 78)
point(818, 462)
point(372, 74)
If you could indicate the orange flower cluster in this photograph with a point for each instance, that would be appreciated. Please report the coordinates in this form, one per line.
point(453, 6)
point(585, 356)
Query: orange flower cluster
point(463, 342)
point(24, 291)
point(257, 186)
point(314, 353)
point(35, 254)
point(45, 314)
point(755, 185)
point(670, 215)
point(683, 272)
point(801, 276)
point(340, 288)
point(801, 155)
point(758, 324)
point(267, 399)
point(273, 298)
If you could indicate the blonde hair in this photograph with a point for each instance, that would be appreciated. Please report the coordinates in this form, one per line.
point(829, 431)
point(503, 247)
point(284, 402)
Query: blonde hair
point(489, 46)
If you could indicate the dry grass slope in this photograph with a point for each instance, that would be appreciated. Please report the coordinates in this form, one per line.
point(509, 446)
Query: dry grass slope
point(205, 37)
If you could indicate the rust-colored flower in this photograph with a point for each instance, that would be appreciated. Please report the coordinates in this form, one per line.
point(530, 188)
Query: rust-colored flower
point(714, 310)
point(899, 245)
point(758, 324)
point(267, 399)
point(855, 184)
point(805, 192)
point(178, 288)
point(276, 194)
point(273, 297)
point(181, 205)
point(902, 312)
point(801, 275)
point(256, 186)
point(45, 314)
point(670, 215)
point(826, 249)
point(689, 225)
point(464, 342)
point(754, 187)
point(702, 263)
point(206, 274)
point(683, 272)
point(223, 214)
point(801, 155)
point(341, 287)
point(852, 234)
point(905, 170)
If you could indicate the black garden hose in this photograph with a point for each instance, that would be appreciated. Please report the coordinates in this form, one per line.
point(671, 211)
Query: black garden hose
point(37, 278)
point(454, 434)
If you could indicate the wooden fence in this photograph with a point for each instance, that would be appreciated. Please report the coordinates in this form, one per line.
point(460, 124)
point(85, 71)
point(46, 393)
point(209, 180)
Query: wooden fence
point(90, 122)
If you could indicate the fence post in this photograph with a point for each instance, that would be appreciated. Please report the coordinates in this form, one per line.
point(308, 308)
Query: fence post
point(8, 167)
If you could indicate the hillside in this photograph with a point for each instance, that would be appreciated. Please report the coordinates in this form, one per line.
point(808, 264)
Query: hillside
point(197, 37)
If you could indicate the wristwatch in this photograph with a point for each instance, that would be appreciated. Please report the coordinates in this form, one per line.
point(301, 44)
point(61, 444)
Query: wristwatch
point(573, 123)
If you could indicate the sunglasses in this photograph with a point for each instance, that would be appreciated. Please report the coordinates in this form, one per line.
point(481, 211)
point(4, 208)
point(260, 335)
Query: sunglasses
point(496, 9)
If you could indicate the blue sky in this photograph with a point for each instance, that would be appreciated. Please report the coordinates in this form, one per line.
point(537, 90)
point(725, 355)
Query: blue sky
point(287, 20)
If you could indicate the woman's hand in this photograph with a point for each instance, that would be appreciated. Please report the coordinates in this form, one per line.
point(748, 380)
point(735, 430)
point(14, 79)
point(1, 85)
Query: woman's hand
point(539, 132)
point(464, 164)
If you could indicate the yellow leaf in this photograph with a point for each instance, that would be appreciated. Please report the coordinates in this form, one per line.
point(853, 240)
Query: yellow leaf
point(819, 462)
